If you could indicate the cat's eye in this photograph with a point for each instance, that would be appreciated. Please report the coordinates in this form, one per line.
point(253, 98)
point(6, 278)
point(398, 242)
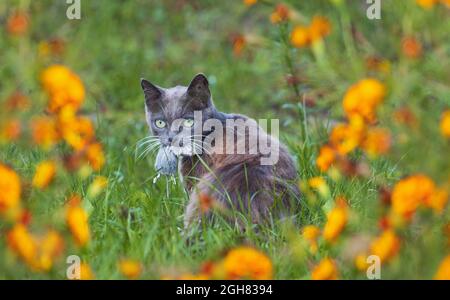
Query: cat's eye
point(188, 123)
point(160, 123)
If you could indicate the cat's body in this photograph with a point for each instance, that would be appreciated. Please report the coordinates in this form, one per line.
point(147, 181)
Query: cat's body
point(242, 183)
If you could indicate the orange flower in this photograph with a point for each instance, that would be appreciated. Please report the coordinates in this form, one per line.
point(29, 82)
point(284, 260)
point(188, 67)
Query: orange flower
point(437, 201)
point(206, 202)
point(63, 87)
point(300, 36)
point(250, 2)
point(86, 272)
point(319, 28)
point(76, 131)
point(386, 246)
point(280, 14)
point(361, 262)
point(238, 42)
point(443, 272)
point(17, 101)
point(45, 172)
point(411, 48)
point(22, 243)
point(95, 156)
point(130, 268)
point(77, 220)
point(445, 123)
point(363, 98)
point(51, 47)
point(10, 189)
point(404, 115)
point(427, 4)
point(377, 64)
point(409, 193)
point(310, 233)
point(44, 132)
point(10, 130)
point(377, 142)
point(247, 263)
point(336, 220)
point(17, 23)
point(326, 158)
point(347, 137)
point(325, 270)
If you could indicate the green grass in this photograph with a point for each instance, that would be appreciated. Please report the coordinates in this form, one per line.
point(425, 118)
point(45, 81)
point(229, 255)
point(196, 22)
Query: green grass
point(118, 42)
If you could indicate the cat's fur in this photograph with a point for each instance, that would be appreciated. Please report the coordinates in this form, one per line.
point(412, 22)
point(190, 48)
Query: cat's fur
point(238, 182)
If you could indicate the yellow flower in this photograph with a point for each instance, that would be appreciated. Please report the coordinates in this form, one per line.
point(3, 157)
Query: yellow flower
point(130, 268)
point(326, 157)
point(310, 233)
point(97, 186)
point(445, 123)
point(386, 246)
point(76, 131)
point(409, 193)
point(10, 189)
point(45, 172)
point(325, 270)
point(44, 132)
point(95, 156)
point(443, 272)
point(77, 220)
point(361, 262)
point(319, 184)
point(336, 220)
point(247, 263)
point(363, 98)
point(377, 142)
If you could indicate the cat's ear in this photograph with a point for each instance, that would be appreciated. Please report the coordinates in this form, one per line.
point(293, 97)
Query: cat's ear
point(152, 93)
point(198, 92)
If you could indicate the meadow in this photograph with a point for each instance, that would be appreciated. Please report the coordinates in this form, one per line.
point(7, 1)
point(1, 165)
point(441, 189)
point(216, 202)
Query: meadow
point(363, 104)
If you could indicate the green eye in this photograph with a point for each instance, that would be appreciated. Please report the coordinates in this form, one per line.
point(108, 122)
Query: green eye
point(160, 123)
point(188, 123)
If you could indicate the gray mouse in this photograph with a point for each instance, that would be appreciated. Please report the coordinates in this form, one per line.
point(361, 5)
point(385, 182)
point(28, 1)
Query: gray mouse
point(166, 162)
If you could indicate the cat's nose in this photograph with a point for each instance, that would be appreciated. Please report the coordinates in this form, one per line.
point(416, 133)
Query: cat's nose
point(170, 139)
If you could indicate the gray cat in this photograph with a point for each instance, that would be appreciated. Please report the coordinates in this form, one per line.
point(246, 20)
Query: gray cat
point(238, 180)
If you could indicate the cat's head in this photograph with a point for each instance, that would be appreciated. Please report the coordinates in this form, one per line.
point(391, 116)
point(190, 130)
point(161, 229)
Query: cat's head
point(170, 113)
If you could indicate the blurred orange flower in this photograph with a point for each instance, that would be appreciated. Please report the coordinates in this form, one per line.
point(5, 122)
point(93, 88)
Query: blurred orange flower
point(443, 272)
point(445, 123)
point(95, 156)
point(411, 47)
point(438, 200)
point(300, 36)
point(377, 141)
point(130, 268)
point(347, 137)
point(63, 87)
point(77, 131)
point(77, 221)
point(386, 246)
point(409, 193)
point(17, 23)
point(310, 233)
point(10, 130)
point(280, 14)
point(427, 4)
point(45, 172)
point(250, 2)
point(319, 28)
point(325, 270)
point(44, 132)
point(17, 101)
point(363, 98)
point(404, 115)
point(239, 43)
point(336, 220)
point(22, 242)
point(10, 189)
point(326, 158)
point(247, 263)
point(86, 272)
